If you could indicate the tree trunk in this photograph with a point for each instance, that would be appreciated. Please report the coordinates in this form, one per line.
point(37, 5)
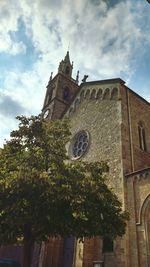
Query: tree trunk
point(27, 247)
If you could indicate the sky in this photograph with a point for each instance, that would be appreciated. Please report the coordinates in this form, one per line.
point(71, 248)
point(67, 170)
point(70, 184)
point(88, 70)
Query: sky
point(106, 39)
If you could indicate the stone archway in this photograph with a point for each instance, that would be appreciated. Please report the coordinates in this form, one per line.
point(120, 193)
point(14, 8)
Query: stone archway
point(144, 224)
point(147, 232)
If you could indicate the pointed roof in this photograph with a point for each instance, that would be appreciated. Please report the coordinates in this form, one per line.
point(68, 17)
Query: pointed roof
point(65, 66)
point(67, 57)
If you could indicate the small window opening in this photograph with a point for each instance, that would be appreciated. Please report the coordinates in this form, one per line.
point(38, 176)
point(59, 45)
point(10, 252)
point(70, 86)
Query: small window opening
point(142, 138)
point(108, 245)
point(67, 70)
point(66, 93)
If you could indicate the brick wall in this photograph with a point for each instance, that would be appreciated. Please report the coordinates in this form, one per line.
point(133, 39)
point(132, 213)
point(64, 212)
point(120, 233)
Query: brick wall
point(134, 110)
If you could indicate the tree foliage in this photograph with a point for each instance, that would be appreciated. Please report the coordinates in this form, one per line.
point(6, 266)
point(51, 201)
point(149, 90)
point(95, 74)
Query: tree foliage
point(43, 194)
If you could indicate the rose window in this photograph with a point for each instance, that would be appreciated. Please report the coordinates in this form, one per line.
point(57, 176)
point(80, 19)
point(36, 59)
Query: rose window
point(80, 144)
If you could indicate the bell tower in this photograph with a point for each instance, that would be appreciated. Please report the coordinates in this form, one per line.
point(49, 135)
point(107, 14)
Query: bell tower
point(60, 90)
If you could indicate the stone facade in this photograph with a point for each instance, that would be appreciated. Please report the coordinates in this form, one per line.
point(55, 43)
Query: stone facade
point(117, 120)
point(98, 111)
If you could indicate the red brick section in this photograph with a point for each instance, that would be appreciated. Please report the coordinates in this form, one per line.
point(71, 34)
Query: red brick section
point(88, 256)
point(134, 110)
point(60, 105)
point(53, 253)
point(57, 104)
point(92, 251)
point(125, 131)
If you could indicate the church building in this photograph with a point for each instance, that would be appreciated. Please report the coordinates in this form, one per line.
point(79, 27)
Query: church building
point(109, 122)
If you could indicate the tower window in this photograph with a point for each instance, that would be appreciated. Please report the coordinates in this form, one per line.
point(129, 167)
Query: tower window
point(108, 245)
point(66, 93)
point(142, 137)
point(67, 71)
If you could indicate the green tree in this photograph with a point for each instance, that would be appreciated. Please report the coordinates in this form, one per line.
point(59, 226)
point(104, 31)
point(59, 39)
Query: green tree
point(43, 194)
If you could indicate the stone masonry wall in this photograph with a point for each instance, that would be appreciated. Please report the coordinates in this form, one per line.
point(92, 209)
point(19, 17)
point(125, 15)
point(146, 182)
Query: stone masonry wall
point(97, 109)
point(101, 117)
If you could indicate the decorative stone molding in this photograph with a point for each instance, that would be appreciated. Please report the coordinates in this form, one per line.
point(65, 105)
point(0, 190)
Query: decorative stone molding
point(139, 175)
point(87, 94)
point(106, 94)
point(93, 94)
point(97, 93)
point(114, 93)
point(144, 175)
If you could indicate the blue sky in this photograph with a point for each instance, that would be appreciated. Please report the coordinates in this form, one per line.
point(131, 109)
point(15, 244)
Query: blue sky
point(106, 39)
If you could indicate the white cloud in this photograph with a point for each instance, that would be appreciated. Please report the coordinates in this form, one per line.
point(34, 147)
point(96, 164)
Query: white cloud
point(99, 38)
point(103, 42)
point(9, 14)
point(17, 48)
point(10, 47)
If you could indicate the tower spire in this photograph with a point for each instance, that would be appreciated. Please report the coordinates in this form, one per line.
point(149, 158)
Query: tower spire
point(61, 89)
point(67, 57)
point(65, 66)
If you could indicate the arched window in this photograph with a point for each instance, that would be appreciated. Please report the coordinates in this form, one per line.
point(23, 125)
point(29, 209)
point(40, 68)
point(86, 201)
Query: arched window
point(142, 137)
point(66, 94)
point(67, 71)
